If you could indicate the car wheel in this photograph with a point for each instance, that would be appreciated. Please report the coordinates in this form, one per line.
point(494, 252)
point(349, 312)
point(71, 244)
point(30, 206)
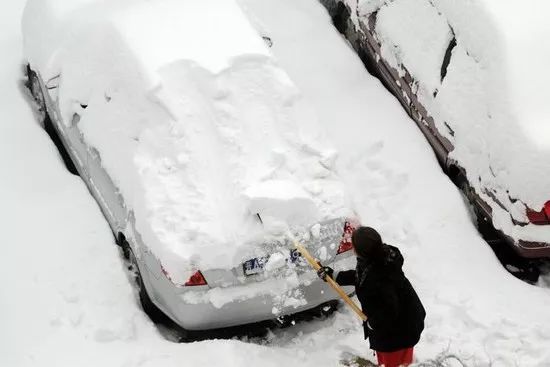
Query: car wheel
point(154, 313)
point(38, 96)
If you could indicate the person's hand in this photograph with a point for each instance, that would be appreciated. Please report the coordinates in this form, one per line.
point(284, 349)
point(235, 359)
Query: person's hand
point(325, 271)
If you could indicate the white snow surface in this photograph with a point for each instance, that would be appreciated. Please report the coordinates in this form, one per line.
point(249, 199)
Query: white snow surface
point(157, 33)
point(67, 301)
point(197, 126)
point(495, 94)
point(398, 20)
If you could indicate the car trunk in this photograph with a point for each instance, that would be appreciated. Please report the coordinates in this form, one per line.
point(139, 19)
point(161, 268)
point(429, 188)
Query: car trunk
point(279, 259)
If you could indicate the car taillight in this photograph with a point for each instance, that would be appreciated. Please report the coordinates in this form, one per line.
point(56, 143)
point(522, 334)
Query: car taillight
point(345, 243)
point(196, 279)
point(540, 218)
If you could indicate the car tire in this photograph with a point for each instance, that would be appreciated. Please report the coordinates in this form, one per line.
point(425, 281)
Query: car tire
point(154, 313)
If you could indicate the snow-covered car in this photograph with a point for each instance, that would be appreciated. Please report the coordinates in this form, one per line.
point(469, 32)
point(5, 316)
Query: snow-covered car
point(473, 77)
point(199, 150)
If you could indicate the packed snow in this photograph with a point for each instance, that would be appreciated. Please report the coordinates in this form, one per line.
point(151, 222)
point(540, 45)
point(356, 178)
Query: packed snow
point(492, 104)
point(66, 299)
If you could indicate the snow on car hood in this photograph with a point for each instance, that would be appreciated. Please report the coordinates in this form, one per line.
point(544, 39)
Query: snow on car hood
point(200, 130)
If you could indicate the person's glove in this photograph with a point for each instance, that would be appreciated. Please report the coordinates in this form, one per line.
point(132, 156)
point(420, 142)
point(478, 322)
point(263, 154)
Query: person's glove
point(325, 271)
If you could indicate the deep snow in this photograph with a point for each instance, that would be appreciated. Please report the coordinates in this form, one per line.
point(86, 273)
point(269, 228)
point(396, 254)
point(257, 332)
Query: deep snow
point(195, 165)
point(67, 301)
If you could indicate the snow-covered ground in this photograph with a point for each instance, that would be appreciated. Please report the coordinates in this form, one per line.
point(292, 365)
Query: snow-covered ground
point(66, 299)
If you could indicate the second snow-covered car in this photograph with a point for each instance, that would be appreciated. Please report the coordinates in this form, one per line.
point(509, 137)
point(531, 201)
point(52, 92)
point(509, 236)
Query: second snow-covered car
point(198, 149)
point(473, 77)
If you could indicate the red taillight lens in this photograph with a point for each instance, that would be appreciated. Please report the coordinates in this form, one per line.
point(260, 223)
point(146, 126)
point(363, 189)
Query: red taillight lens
point(540, 218)
point(196, 279)
point(345, 244)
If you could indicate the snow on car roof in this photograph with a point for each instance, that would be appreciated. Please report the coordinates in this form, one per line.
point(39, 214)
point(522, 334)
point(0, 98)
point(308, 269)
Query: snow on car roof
point(199, 128)
point(224, 33)
point(156, 32)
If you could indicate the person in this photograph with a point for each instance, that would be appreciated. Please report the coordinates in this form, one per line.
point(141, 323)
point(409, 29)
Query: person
point(395, 315)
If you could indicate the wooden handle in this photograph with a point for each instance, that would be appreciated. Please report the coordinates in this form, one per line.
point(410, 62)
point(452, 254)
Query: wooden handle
point(315, 265)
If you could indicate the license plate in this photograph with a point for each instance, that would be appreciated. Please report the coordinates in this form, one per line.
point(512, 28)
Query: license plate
point(257, 265)
point(254, 266)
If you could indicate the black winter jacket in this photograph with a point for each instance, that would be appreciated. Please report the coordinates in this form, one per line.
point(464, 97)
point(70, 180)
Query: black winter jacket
point(395, 313)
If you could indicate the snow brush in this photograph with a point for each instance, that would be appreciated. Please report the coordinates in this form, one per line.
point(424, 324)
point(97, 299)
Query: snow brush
point(316, 265)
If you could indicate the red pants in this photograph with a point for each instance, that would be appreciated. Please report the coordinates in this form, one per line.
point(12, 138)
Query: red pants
point(403, 357)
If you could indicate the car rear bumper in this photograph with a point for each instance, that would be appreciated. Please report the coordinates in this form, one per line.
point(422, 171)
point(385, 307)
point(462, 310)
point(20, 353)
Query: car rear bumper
point(533, 249)
point(526, 245)
point(529, 240)
point(207, 309)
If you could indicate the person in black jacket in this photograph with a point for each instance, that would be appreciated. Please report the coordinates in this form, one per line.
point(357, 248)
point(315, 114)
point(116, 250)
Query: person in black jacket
point(395, 315)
